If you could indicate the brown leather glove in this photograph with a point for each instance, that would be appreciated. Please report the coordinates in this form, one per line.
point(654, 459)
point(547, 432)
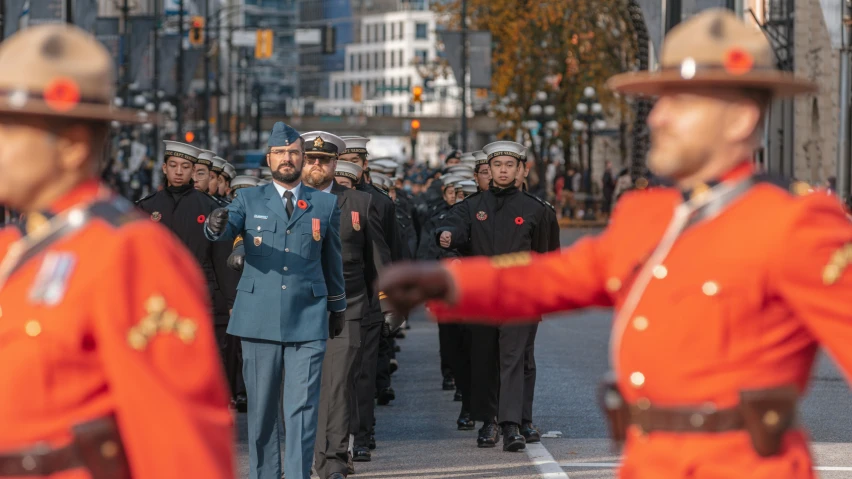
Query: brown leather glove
point(409, 284)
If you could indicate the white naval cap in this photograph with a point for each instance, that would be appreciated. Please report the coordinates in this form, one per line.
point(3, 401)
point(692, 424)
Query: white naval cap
point(263, 181)
point(451, 180)
point(505, 148)
point(349, 170)
point(205, 158)
point(468, 186)
point(384, 165)
point(380, 180)
point(355, 144)
point(265, 173)
point(229, 170)
point(181, 150)
point(323, 143)
point(217, 164)
point(467, 157)
point(464, 171)
point(481, 157)
point(244, 181)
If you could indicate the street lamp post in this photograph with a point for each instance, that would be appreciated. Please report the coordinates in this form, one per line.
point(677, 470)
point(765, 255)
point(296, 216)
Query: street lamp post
point(589, 118)
point(543, 116)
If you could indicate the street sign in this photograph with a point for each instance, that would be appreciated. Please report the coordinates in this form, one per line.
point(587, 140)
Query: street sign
point(244, 38)
point(308, 36)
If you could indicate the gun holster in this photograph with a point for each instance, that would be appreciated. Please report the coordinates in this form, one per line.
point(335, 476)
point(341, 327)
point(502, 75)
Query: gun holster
point(615, 408)
point(767, 415)
point(99, 445)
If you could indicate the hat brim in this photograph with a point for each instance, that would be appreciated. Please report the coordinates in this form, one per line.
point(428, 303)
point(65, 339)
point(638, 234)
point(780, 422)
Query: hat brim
point(81, 111)
point(780, 84)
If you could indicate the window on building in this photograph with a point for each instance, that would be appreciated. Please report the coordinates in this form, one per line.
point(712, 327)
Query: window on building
point(393, 59)
point(401, 62)
point(421, 56)
point(401, 31)
point(367, 61)
point(393, 31)
point(421, 31)
point(336, 90)
point(359, 62)
point(376, 61)
point(384, 31)
point(352, 62)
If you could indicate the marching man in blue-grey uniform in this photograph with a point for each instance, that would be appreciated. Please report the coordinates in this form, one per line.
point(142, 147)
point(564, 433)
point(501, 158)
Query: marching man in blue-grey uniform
point(290, 300)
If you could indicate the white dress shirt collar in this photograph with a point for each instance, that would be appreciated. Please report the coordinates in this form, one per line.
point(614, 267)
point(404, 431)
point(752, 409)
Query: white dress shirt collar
point(296, 190)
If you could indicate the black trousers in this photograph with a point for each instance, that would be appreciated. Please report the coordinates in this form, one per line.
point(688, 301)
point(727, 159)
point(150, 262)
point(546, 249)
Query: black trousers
point(457, 338)
point(447, 347)
point(529, 375)
point(366, 383)
point(331, 450)
point(383, 375)
point(231, 353)
point(497, 372)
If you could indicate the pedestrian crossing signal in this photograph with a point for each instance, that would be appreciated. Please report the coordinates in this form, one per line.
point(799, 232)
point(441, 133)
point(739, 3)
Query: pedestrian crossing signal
point(263, 45)
point(189, 137)
point(415, 129)
point(196, 31)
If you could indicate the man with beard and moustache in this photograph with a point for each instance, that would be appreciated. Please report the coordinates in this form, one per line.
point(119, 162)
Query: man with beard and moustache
point(380, 321)
point(501, 220)
point(291, 299)
point(360, 274)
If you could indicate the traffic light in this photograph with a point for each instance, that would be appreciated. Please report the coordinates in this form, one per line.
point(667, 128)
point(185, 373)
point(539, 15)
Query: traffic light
point(263, 45)
point(415, 128)
point(196, 31)
point(417, 93)
point(189, 137)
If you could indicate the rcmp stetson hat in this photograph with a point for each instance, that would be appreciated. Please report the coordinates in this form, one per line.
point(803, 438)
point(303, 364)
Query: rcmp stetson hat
point(355, 144)
point(323, 143)
point(206, 158)
point(229, 170)
point(282, 135)
point(348, 170)
point(181, 150)
point(244, 181)
point(218, 164)
point(714, 49)
point(504, 148)
point(59, 70)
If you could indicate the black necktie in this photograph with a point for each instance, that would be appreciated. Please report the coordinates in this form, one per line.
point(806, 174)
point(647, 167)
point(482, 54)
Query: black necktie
point(288, 196)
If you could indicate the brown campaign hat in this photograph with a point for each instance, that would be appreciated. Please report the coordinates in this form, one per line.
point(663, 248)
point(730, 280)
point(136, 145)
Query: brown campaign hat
point(714, 49)
point(61, 71)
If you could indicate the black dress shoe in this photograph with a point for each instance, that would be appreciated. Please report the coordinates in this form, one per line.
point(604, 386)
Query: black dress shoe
point(241, 403)
point(400, 334)
point(489, 435)
point(372, 443)
point(386, 395)
point(458, 396)
point(396, 348)
point(350, 466)
point(361, 454)
point(531, 433)
point(449, 383)
point(513, 441)
point(336, 475)
point(465, 423)
point(394, 365)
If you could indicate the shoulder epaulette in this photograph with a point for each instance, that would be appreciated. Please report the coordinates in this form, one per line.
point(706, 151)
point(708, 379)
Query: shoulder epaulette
point(117, 212)
point(145, 198)
point(544, 203)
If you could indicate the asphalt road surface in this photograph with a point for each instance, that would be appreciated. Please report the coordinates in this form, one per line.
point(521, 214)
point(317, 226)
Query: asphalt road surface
point(417, 437)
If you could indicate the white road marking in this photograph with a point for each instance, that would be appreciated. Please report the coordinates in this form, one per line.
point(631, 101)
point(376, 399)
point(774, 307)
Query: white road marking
point(547, 467)
point(615, 464)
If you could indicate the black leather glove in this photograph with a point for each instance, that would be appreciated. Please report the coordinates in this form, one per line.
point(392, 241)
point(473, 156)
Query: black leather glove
point(236, 260)
point(218, 220)
point(392, 324)
point(409, 284)
point(335, 324)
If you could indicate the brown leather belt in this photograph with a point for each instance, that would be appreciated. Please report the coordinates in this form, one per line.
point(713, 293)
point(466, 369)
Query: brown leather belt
point(649, 418)
point(96, 446)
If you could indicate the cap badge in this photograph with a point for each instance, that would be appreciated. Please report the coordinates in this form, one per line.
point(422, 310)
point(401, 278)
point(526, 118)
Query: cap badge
point(481, 216)
point(318, 143)
point(258, 240)
point(156, 216)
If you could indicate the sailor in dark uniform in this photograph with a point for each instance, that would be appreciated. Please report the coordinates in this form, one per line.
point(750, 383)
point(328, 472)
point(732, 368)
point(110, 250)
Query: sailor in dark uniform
point(501, 220)
point(183, 209)
point(380, 320)
point(217, 181)
point(228, 173)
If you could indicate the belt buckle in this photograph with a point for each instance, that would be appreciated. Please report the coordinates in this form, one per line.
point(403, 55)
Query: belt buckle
point(642, 418)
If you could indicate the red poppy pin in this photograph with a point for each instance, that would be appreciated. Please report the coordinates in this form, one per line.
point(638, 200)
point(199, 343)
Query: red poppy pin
point(302, 204)
point(519, 221)
point(62, 94)
point(738, 61)
point(201, 218)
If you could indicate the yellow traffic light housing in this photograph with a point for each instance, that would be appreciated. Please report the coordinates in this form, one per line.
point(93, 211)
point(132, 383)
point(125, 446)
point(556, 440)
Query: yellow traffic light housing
point(264, 45)
point(196, 31)
point(417, 93)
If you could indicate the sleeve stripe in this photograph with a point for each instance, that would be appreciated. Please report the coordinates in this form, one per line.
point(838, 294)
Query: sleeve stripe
point(337, 297)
